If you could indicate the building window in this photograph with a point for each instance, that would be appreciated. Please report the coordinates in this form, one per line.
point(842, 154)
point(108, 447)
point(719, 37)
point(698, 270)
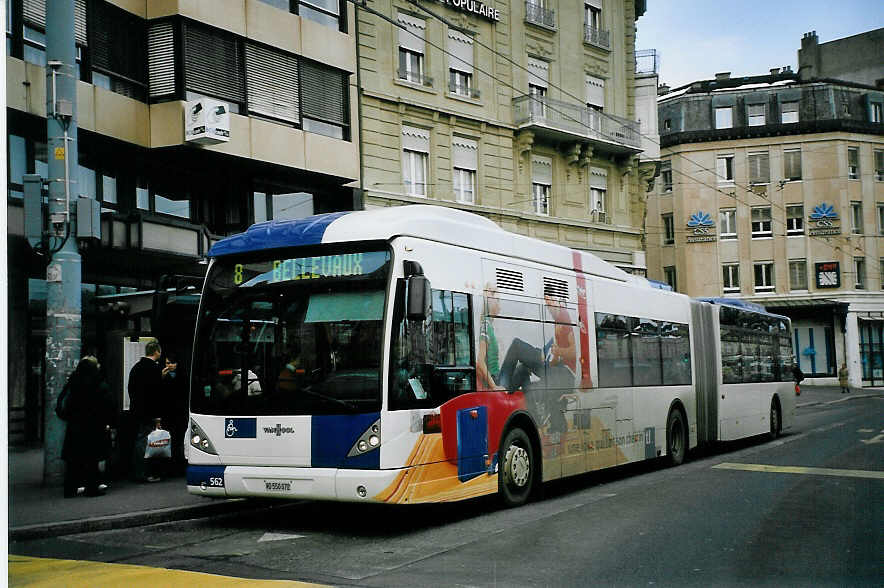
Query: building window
point(538, 81)
point(668, 229)
point(325, 12)
point(792, 164)
point(594, 32)
point(460, 72)
point(538, 100)
point(171, 207)
point(730, 278)
point(598, 194)
point(117, 51)
point(759, 168)
point(214, 65)
point(324, 100)
point(666, 175)
point(881, 271)
point(727, 222)
point(795, 219)
point(724, 117)
point(294, 205)
point(595, 101)
point(669, 277)
point(881, 219)
point(272, 84)
point(415, 155)
point(465, 158)
point(789, 112)
point(411, 49)
point(764, 276)
point(797, 274)
point(853, 163)
point(856, 217)
point(859, 270)
point(876, 111)
point(879, 165)
point(536, 12)
point(761, 222)
point(756, 115)
point(724, 169)
point(541, 182)
point(667, 124)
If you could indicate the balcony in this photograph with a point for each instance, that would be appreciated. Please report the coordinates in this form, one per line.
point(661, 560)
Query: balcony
point(560, 121)
point(597, 37)
point(647, 62)
point(415, 78)
point(536, 14)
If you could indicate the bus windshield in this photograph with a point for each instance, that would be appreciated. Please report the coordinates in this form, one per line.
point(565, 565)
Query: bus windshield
point(291, 335)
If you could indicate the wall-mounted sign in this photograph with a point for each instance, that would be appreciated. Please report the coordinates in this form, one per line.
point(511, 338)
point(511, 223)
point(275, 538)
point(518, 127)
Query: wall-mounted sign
point(823, 221)
point(701, 228)
point(474, 7)
point(206, 121)
point(828, 274)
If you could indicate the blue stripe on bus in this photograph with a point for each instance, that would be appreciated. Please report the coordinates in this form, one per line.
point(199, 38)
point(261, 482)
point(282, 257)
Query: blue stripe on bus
point(332, 437)
point(210, 475)
point(277, 233)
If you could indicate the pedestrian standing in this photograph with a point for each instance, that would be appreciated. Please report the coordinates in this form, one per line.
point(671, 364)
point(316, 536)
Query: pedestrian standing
point(145, 405)
point(842, 378)
point(86, 406)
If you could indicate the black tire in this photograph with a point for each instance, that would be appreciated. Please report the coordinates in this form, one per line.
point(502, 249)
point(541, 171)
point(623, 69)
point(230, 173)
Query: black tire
point(676, 438)
point(776, 422)
point(518, 469)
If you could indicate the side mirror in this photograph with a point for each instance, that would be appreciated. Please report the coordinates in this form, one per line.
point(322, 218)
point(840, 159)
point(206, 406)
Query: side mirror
point(419, 304)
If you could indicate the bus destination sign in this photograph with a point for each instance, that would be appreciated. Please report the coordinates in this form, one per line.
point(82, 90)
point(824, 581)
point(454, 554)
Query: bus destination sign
point(344, 265)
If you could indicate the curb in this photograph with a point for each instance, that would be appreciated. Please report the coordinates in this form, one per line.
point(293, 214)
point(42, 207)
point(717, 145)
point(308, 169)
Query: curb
point(133, 519)
point(838, 400)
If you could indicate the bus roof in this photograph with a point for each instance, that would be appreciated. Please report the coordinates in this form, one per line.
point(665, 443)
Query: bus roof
point(738, 303)
point(435, 223)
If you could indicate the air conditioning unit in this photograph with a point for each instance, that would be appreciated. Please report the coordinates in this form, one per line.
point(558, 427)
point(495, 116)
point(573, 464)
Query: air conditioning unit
point(206, 121)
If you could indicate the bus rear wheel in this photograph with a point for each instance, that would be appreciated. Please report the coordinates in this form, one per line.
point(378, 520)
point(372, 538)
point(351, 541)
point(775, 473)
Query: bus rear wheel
point(518, 468)
point(676, 438)
point(775, 425)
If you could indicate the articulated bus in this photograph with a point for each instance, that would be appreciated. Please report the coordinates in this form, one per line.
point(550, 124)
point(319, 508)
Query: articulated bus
point(423, 354)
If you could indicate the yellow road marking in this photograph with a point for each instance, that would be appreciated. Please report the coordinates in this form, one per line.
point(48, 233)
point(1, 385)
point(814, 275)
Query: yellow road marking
point(39, 571)
point(757, 467)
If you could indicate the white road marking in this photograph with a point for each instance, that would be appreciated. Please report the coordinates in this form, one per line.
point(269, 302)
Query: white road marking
point(756, 467)
point(279, 537)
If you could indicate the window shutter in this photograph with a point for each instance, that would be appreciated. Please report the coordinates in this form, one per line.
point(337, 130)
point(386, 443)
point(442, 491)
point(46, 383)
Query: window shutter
point(538, 72)
point(272, 83)
point(465, 153)
point(322, 93)
point(414, 139)
point(412, 35)
point(117, 41)
point(595, 91)
point(34, 13)
point(598, 178)
point(213, 64)
point(541, 170)
point(161, 59)
point(792, 160)
point(460, 47)
point(759, 168)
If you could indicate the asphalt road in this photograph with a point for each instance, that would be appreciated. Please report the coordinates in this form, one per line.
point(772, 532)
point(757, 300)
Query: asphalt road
point(807, 509)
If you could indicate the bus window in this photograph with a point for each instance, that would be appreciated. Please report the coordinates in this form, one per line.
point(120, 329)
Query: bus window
point(431, 361)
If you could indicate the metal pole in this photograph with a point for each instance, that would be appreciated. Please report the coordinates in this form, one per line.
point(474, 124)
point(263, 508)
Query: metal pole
point(63, 276)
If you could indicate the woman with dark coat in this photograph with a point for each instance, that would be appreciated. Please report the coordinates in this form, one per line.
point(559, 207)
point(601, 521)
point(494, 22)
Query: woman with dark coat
point(85, 441)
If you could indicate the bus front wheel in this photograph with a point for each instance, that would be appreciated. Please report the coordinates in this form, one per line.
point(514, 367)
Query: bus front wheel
point(676, 438)
point(518, 468)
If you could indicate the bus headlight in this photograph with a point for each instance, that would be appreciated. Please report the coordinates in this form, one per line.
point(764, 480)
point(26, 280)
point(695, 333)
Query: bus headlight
point(199, 439)
point(368, 441)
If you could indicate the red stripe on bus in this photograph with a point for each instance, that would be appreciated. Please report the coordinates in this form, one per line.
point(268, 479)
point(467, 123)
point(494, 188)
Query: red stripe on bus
point(585, 380)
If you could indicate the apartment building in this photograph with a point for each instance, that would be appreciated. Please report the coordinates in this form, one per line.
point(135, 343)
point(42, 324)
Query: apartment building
point(522, 111)
point(772, 191)
point(284, 73)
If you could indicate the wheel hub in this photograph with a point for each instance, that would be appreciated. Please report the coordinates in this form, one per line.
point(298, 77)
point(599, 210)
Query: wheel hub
point(518, 465)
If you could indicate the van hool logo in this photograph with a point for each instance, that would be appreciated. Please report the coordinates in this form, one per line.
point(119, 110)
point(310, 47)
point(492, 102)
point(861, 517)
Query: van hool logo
point(824, 216)
point(278, 430)
point(702, 228)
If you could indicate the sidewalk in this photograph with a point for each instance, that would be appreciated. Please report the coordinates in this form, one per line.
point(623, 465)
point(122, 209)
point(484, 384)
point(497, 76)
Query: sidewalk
point(36, 511)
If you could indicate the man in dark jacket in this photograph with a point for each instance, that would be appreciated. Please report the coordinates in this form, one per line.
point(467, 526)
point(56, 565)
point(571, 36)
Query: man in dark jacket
point(145, 404)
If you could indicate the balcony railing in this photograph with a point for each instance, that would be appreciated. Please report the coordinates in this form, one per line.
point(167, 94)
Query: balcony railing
point(537, 14)
point(415, 77)
point(465, 91)
point(576, 121)
point(597, 37)
point(647, 61)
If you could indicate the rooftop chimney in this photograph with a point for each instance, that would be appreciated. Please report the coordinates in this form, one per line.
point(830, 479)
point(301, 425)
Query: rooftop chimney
point(774, 71)
point(662, 89)
point(724, 75)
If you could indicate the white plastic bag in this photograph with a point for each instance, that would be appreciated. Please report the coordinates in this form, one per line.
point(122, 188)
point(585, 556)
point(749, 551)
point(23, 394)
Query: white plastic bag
point(159, 445)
